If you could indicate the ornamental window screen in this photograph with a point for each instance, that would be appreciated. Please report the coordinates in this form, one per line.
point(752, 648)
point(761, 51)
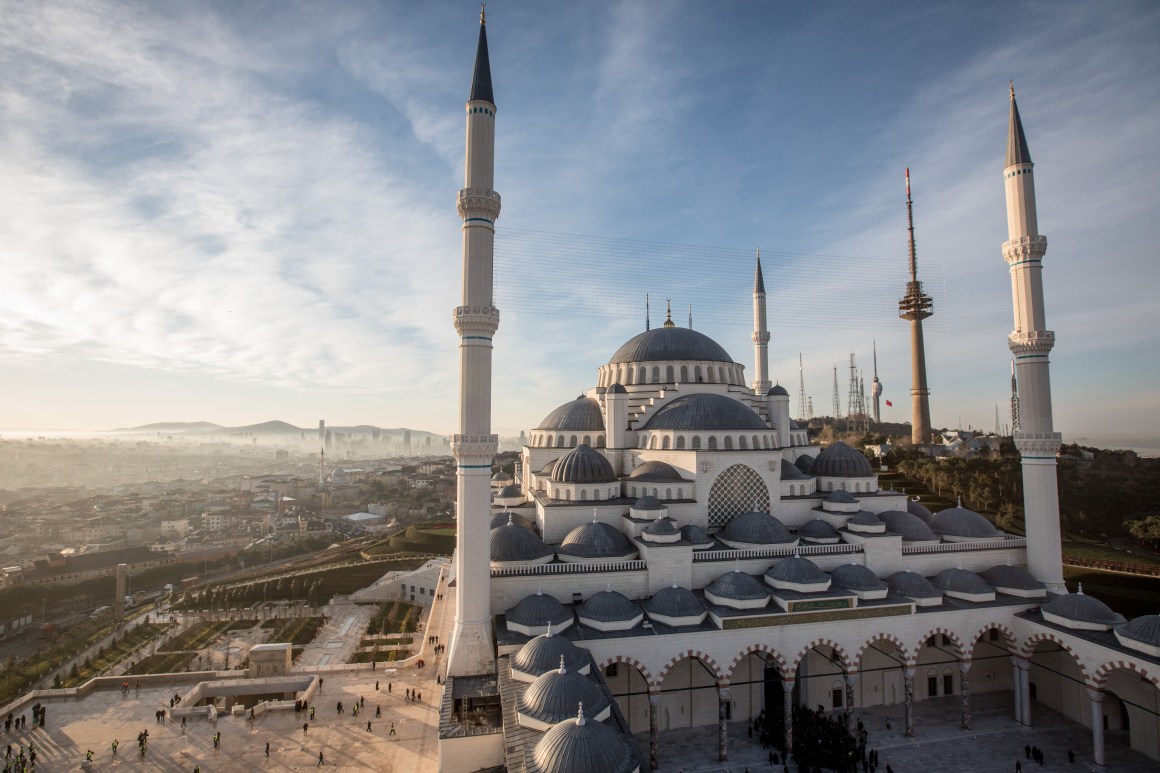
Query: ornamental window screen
point(739, 489)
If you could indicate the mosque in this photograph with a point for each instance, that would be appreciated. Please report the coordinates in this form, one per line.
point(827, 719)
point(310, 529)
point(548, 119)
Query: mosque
point(673, 552)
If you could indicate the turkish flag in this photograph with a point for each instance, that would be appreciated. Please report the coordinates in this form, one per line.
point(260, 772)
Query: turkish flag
point(889, 404)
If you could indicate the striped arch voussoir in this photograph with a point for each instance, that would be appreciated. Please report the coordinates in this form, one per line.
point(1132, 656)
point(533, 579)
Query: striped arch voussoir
point(1007, 634)
point(903, 650)
point(839, 650)
point(954, 637)
point(777, 657)
point(1100, 678)
point(1028, 649)
point(693, 654)
point(632, 662)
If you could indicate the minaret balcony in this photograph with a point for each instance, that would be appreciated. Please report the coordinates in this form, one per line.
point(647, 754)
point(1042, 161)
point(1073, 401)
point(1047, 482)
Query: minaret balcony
point(761, 337)
point(480, 449)
point(476, 320)
point(1024, 248)
point(1031, 342)
point(478, 202)
point(1038, 443)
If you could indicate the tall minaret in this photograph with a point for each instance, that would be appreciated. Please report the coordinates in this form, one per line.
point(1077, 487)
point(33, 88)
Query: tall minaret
point(876, 386)
point(761, 382)
point(1030, 342)
point(916, 306)
point(472, 650)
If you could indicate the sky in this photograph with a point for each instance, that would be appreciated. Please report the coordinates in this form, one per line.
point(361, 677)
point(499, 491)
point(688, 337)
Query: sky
point(244, 211)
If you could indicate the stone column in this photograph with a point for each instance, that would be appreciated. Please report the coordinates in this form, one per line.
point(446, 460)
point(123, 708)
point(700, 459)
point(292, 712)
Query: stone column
point(723, 698)
point(1097, 698)
point(908, 690)
point(654, 723)
point(787, 688)
point(965, 692)
point(1016, 687)
point(850, 680)
point(1025, 690)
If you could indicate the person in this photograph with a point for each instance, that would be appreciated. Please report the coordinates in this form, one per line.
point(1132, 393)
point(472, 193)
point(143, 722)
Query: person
point(267, 750)
point(183, 725)
point(388, 686)
point(376, 686)
point(362, 701)
point(312, 712)
point(1018, 766)
point(1027, 750)
point(197, 769)
point(305, 727)
point(89, 756)
point(368, 725)
point(378, 712)
point(319, 765)
point(1070, 756)
point(115, 744)
point(392, 729)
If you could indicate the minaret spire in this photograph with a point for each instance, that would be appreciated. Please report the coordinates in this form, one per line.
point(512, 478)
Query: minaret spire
point(647, 325)
point(761, 382)
point(914, 307)
point(1031, 342)
point(477, 320)
point(669, 313)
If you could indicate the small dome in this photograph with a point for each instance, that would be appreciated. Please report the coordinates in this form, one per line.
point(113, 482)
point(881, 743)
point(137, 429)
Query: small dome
point(554, 695)
point(914, 507)
point(582, 746)
point(516, 543)
point(655, 471)
point(756, 529)
point(1007, 576)
point(504, 518)
point(674, 602)
point(538, 610)
point(662, 527)
point(961, 581)
point(817, 529)
point(838, 460)
point(865, 518)
point(617, 389)
point(737, 586)
point(777, 390)
point(696, 536)
point(1144, 629)
point(542, 654)
point(960, 522)
point(805, 463)
point(595, 540)
point(648, 502)
point(908, 526)
point(789, 471)
point(841, 497)
point(583, 465)
point(705, 411)
point(912, 584)
point(581, 415)
point(509, 491)
point(796, 570)
point(670, 343)
point(856, 577)
point(1077, 607)
point(608, 606)
point(501, 477)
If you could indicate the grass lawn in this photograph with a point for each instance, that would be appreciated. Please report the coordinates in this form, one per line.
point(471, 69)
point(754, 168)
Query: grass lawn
point(1101, 552)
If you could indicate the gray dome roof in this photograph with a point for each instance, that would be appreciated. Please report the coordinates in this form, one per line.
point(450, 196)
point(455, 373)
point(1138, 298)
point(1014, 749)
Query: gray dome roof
point(554, 696)
point(756, 529)
point(805, 463)
point(664, 525)
point(583, 746)
point(659, 471)
point(916, 508)
point(841, 496)
point(648, 502)
point(617, 389)
point(1144, 629)
point(960, 522)
point(865, 518)
point(608, 606)
point(501, 476)
point(908, 526)
point(961, 581)
point(516, 543)
point(504, 518)
point(547, 468)
point(542, 654)
point(777, 390)
point(705, 411)
point(695, 535)
point(674, 602)
point(817, 529)
point(738, 585)
point(789, 471)
point(595, 540)
point(796, 570)
point(670, 343)
point(582, 414)
point(583, 465)
point(511, 490)
point(856, 577)
point(1082, 609)
point(912, 584)
point(537, 610)
point(838, 460)
point(1006, 576)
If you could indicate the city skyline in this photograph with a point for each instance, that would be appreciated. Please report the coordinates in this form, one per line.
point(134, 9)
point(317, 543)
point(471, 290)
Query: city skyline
point(243, 214)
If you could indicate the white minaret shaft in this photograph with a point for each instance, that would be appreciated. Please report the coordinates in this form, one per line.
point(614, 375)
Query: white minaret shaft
point(1031, 342)
point(472, 651)
point(761, 382)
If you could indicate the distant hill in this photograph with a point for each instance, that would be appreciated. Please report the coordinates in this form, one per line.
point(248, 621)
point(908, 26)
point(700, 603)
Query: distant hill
point(267, 428)
point(172, 426)
point(274, 427)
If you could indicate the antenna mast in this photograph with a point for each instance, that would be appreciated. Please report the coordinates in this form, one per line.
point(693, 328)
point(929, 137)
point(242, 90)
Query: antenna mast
point(1014, 401)
point(837, 399)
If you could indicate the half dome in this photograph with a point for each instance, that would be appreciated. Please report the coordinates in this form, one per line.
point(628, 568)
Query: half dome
point(754, 530)
point(916, 588)
point(655, 471)
point(908, 526)
point(705, 411)
point(595, 540)
point(1015, 581)
point(956, 524)
point(963, 584)
point(552, 697)
point(581, 745)
point(1075, 610)
point(581, 415)
point(512, 543)
point(1141, 634)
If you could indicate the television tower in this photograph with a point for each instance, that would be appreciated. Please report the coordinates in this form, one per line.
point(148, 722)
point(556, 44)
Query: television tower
point(876, 386)
point(476, 321)
point(914, 307)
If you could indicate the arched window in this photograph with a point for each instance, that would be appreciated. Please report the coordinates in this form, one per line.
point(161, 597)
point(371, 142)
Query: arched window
point(742, 444)
point(712, 375)
point(665, 443)
point(829, 485)
point(680, 493)
point(653, 442)
point(680, 442)
point(596, 494)
point(721, 374)
point(728, 442)
point(684, 373)
point(697, 373)
point(644, 441)
point(556, 494)
point(568, 495)
point(632, 492)
point(588, 440)
point(712, 442)
point(696, 442)
point(572, 442)
point(600, 441)
point(656, 374)
point(583, 495)
point(559, 441)
point(668, 493)
point(629, 381)
point(669, 375)
point(738, 489)
point(756, 444)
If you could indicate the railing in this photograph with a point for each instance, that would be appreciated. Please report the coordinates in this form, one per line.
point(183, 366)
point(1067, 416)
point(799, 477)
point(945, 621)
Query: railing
point(960, 547)
point(780, 552)
point(1150, 570)
point(568, 568)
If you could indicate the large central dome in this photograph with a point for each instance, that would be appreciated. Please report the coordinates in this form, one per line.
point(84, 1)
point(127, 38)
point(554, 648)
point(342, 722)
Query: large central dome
point(670, 343)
